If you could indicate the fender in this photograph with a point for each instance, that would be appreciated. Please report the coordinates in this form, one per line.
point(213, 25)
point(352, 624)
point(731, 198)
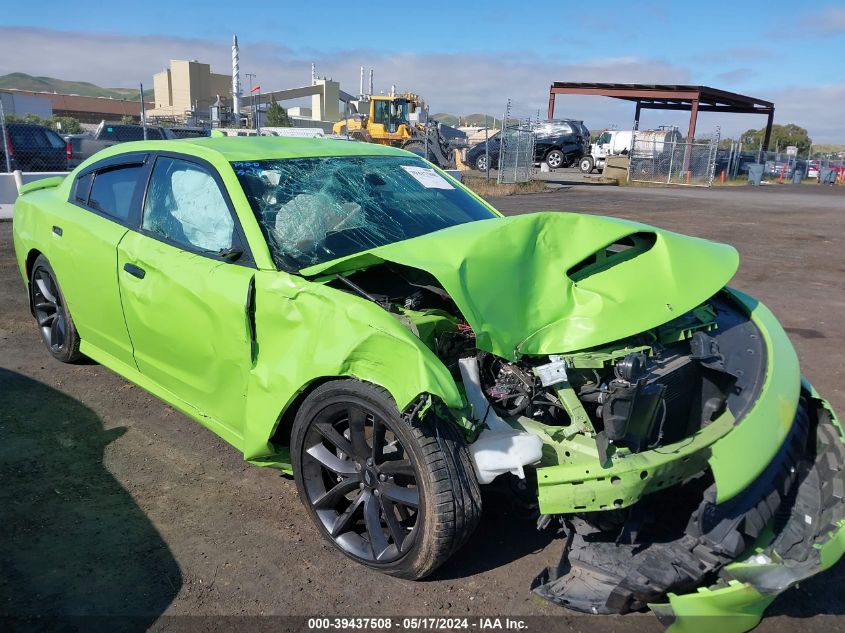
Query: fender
point(350, 337)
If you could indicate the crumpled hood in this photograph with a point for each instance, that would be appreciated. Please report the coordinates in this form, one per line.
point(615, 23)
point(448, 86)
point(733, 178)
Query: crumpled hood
point(509, 278)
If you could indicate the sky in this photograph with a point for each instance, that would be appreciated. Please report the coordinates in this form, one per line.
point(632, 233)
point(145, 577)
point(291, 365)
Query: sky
point(466, 57)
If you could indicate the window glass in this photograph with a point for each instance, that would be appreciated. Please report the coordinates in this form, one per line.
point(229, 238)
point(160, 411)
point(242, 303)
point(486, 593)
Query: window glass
point(313, 210)
point(56, 141)
point(114, 189)
point(81, 188)
point(184, 205)
point(381, 112)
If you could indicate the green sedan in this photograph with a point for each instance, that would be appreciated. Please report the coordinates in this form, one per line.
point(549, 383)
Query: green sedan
point(355, 317)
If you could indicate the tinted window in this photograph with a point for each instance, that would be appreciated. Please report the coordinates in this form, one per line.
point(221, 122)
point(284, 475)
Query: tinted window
point(313, 210)
point(34, 137)
point(114, 190)
point(125, 133)
point(55, 141)
point(81, 188)
point(184, 205)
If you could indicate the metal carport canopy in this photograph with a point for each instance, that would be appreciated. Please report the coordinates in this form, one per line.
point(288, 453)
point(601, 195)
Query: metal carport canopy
point(670, 97)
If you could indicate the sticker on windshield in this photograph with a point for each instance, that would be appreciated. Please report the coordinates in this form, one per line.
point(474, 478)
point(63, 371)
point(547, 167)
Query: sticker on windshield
point(427, 177)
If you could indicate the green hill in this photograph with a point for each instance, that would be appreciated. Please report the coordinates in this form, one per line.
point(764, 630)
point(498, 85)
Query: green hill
point(468, 120)
point(22, 81)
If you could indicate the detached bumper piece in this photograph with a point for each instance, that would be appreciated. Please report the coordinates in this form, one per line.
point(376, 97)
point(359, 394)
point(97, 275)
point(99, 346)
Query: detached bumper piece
point(734, 557)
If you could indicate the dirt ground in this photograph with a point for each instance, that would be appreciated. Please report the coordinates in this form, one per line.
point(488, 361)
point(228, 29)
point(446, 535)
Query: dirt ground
point(114, 504)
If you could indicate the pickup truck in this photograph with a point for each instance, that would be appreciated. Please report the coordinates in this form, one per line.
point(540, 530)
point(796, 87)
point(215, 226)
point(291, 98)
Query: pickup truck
point(108, 134)
point(82, 146)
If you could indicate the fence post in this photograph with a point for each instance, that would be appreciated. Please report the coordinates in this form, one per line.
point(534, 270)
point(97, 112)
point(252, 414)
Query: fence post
point(487, 147)
point(4, 137)
point(427, 131)
point(671, 161)
point(503, 142)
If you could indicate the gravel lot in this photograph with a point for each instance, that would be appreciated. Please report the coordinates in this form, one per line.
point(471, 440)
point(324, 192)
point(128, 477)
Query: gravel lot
point(114, 504)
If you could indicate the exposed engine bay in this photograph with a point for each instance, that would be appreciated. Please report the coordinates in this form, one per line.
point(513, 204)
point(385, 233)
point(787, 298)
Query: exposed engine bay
point(634, 395)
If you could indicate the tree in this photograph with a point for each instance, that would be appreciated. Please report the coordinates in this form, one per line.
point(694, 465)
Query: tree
point(68, 123)
point(277, 116)
point(128, 119)
point(782, 137)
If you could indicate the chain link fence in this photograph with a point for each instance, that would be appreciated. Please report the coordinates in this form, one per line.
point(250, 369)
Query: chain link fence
point(30, 147)
point(739, 161)
point(663, 156)
point(516, 153)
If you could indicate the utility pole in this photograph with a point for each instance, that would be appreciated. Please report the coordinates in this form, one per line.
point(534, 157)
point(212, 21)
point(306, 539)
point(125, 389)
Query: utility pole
point(143, 113)
point(252, 76)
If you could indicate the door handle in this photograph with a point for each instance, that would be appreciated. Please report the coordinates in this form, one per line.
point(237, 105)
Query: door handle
point(57, 230)
point(134, 270)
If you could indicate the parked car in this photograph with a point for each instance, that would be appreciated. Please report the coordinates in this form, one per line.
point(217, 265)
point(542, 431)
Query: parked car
point(33, 147)
point(558, 143)
point(476, 156)
point(813, 169)
point(356, 318)
point(108, 134)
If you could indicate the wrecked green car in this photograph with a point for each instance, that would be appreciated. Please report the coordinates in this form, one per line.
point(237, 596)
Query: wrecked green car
point(351, 315)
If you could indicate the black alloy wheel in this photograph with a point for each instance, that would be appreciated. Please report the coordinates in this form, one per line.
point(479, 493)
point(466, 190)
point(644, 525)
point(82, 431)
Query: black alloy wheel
point(397, 496)
point(57, 329)
point(361, 483)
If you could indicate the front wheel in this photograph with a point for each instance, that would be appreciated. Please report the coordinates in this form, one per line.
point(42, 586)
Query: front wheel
point(554, 159)
point(586, 164)
point(398, 496)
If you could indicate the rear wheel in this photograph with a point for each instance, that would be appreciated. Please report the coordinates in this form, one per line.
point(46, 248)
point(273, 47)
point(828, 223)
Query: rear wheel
point(54, 321)
point(554, 159)
point(586, 164)
point(395, 495)
point(481, 163)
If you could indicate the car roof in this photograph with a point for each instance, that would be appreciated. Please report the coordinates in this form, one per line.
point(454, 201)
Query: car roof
point(248, 148)
point(244, 148)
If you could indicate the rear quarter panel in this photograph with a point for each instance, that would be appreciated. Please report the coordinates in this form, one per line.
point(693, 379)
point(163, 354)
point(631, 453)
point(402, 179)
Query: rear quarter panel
point(32, 223)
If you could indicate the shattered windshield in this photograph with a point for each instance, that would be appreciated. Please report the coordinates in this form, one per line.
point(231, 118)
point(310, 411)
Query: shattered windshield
point(313, 210)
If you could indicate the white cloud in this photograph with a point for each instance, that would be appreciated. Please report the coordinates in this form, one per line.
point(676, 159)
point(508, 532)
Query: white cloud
point(459, 83)
point(828, 21)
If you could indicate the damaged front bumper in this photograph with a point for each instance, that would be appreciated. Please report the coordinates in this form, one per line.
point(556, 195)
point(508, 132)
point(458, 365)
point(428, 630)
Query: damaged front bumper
point(773, 516)
point(810, 541)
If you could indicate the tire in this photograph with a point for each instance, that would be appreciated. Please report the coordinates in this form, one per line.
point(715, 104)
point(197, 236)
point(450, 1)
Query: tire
point(50, 310)
point(554, 159)
point(361, 135)
point(586, 164)
point(481, 163)
point(402, 509)
point(416, 147)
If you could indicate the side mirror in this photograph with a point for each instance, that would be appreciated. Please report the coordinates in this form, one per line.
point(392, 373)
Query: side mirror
point(232, 254)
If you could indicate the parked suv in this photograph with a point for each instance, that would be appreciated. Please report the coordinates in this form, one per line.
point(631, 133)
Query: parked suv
point(33, 147)
point(559, 143)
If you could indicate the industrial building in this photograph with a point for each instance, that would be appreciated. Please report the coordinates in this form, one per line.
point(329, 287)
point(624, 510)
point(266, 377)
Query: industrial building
point(187, 87)
point(90, 110)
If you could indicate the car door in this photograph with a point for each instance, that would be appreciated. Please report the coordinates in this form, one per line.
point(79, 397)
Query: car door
point(186, 278)
point(104, 200)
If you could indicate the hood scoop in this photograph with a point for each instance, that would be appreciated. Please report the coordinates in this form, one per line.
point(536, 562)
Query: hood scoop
point(621, 250)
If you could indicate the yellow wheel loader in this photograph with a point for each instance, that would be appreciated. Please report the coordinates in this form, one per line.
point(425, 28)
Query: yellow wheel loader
point(394, 120)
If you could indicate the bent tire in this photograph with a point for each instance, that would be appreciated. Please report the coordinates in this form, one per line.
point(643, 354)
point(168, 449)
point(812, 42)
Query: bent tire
point(394, 494)
point(51, 313)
